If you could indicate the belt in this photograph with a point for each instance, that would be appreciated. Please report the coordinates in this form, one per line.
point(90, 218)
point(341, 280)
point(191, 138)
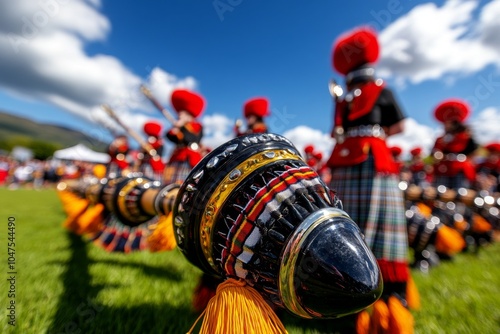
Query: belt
point(192, 146)
point(366, 131)
point(455, 157)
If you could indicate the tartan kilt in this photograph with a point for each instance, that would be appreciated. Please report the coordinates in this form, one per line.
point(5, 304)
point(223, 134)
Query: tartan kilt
point(113, 170)
point(452, 182)
point(148, 172)
point(176, 172)
point(375, 202)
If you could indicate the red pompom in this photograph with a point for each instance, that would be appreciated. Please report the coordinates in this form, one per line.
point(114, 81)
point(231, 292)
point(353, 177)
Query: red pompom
point(493, 147)
point(396, 151)
point(355, 48)
point(258, 106)
point(185, 100)
point(152, 128)
point(416, 151)
point(452, 110)
point(309, 149)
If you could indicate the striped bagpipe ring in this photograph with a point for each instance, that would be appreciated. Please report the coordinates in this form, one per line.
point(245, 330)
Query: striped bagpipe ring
point(421, 230)
point(122, 197)
point(126, 226)
point(252, 209)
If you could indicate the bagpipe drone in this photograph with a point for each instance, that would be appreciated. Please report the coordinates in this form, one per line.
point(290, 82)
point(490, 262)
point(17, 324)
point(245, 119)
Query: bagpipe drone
point(443, 222)
point(253, 214)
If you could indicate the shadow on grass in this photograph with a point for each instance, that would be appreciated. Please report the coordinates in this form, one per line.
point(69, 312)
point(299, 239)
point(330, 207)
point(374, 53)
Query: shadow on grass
point(168, 272)
point(165, 272)
point(77, 311)
point(139, 319)
point(344, 325)
point(76, 302)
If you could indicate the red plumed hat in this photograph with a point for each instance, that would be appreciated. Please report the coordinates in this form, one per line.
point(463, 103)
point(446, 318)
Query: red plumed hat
point(355, 48)
point(416, 151)
point(185, 100)
point(493, 147)
point(396, 150)
point(309, 149)
point(152, 128)
point(258, 106)
point(452, 110)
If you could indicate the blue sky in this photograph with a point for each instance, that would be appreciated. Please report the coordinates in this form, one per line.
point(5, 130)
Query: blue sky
point(64, 58)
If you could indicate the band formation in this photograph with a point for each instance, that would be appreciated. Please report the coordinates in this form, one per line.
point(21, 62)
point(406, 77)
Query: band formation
point(278, 229)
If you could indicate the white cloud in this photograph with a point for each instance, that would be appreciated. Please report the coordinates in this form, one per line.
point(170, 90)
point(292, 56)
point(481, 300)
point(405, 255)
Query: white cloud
point(301, 136)
point(162, 84)
point(217, 129)
point(430, 42)
point(43, 58)
point(414, 135)
point(486, 126)
point(489, 25)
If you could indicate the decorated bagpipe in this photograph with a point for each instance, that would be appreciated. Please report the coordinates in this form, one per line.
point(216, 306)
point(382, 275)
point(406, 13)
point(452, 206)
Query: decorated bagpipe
point(443, 222)
point(123, 214)
point(255, 217)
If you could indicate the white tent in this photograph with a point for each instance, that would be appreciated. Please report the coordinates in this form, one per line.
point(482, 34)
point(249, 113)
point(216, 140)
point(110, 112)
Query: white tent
point(81, 152)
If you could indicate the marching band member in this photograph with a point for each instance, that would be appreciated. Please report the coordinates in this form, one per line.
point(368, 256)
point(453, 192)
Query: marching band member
point(421, 174)
point(152, 166)
point(254, 111)
point(364, 173)
point(489, 169)
point(118, 150)
point(396, 152)
point(186, 134)
point(314, 159)
point(452, 151)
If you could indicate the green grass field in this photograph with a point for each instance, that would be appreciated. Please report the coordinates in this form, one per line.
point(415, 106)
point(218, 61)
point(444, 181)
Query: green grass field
point(63, 284)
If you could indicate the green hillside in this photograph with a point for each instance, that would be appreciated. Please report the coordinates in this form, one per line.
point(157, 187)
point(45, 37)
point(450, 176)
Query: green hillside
point(19, 131)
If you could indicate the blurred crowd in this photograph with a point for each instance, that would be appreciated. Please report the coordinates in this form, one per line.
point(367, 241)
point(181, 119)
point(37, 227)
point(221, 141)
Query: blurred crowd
point(38, 174)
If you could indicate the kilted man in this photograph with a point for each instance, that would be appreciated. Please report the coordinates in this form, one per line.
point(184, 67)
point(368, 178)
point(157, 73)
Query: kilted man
point(489, 169)
point(254, 110)
point(421, 174)
point(452, 151)
point(118, 151)
point(186, 134)
point(364, 173)
point(153, 166)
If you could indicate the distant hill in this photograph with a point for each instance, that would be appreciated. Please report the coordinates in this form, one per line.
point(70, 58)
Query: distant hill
point(20, 128)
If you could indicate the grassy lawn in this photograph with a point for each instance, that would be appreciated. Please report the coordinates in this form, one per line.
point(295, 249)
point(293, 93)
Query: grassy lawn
point(66, 285)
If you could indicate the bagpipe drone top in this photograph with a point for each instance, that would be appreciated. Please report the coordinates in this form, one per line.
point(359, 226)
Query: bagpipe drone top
point(252, 210)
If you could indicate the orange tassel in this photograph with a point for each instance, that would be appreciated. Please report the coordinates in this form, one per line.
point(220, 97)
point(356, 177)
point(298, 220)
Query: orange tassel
point(460, 225)
point(380, 318)
point(412, 295)
point(99, 171)
point(400, 319)
point(449, 241)
point(480, 225)
point(77, 208)
point(424, 209)
point(70, 201)
point(91, 219)
point(162, 238)
point(238, 308)
point(363, 323)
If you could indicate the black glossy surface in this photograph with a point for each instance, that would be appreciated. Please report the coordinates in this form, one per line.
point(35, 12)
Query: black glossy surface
point(228, 155)
point(336, 273)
